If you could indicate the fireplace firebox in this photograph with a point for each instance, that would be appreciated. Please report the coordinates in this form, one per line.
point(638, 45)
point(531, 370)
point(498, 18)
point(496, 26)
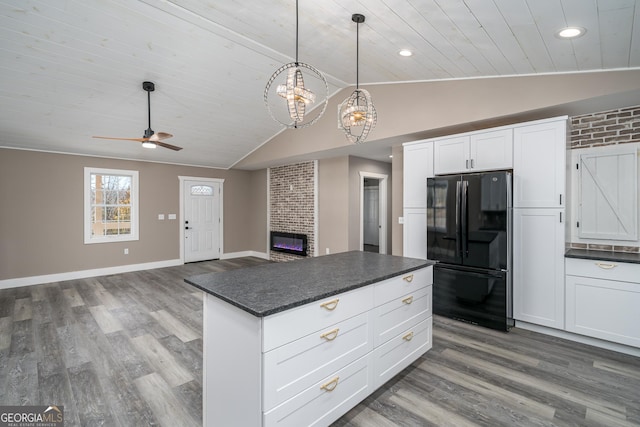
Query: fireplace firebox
point(291, 243)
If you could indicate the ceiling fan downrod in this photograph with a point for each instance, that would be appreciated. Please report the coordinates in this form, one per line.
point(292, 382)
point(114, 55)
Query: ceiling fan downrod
point(149, 87)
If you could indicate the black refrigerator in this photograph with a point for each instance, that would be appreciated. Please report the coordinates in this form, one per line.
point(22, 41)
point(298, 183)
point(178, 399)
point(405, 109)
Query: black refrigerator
point(469, 221)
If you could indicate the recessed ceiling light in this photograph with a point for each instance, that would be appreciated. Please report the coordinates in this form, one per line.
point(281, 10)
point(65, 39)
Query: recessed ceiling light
point(570, 32)
point(405, 52)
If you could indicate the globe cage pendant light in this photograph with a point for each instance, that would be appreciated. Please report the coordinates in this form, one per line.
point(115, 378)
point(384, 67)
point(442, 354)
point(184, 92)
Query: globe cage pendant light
point(297, 96)
point(357, 113)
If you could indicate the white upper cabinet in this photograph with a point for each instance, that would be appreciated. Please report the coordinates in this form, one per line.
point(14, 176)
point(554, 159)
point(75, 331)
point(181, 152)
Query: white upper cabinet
point(474, 153)
point(608, 193)
point(451, 155)
point(417, 167)
point(539, 165)
point(491, 150)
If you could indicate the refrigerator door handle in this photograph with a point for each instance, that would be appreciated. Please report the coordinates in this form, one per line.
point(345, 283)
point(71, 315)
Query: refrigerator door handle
point(463, 216)
point(458, 224)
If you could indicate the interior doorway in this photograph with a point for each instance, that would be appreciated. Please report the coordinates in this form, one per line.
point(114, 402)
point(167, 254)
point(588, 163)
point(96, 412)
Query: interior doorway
point(373, 210)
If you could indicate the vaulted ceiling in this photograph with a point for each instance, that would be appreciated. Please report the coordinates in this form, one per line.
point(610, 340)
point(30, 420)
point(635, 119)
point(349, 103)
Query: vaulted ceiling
point(71, 69)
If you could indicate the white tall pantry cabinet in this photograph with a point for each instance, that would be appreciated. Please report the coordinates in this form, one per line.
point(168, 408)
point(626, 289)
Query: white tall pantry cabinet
point(536, 151)
point(417, 167)
point(539, 162)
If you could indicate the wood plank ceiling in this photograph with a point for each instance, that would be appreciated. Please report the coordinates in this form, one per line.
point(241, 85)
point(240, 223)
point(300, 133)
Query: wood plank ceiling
point(71, 69)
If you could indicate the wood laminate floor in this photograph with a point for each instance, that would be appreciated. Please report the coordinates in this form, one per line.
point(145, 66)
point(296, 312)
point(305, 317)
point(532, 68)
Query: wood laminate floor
point(126, 350)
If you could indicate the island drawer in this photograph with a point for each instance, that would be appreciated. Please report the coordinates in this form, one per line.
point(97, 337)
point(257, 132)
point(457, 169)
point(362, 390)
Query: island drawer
point(326, 400)
point(399, 314)
point(284, 327)
point(399, 352)
point(600, 269)
point(395, 287)
point(294, 367)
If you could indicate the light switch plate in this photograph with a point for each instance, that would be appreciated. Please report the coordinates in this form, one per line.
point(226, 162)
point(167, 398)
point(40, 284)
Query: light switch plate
point(400, 220)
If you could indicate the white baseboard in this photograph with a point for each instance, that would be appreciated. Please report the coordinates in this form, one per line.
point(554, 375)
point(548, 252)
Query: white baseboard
point(608, 345)
point(83, 274)
point(59, 277)
point(242, 254)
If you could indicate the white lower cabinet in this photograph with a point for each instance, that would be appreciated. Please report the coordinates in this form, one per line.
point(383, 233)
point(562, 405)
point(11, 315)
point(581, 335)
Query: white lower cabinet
point(311, 364)
point(402, 350)
point(538, 266)
point(327, 400)
point(414, 233)
point(292, 368)
point(603, 300)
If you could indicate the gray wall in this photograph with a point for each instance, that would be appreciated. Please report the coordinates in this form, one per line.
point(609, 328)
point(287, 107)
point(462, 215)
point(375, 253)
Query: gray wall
point(41, 213)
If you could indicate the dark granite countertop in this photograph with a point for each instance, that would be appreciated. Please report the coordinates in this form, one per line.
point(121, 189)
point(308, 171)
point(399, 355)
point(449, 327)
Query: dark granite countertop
point(632, 257)
point(270, 288)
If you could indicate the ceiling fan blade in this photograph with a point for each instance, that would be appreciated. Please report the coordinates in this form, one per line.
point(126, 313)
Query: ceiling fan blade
point(169, 146)
point(122, 139)
point(160, 136)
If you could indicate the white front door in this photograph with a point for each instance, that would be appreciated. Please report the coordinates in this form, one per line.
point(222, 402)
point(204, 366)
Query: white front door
point(201, 220)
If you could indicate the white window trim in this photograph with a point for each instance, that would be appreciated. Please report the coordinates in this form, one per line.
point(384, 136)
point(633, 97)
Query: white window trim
point(88, 171)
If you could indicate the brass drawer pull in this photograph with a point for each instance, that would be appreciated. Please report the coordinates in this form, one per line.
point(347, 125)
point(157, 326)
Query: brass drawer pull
point(408, 278)
point(330, 305)
point(408, 300)
point(408, 337)
point(605, 266)
point(331, 385)
point(331, 335)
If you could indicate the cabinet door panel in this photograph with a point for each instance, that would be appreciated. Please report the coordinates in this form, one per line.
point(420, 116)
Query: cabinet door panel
point(451, 155)
point(414, 233)
point(539, 164)
point(417, 167)
point(492, 150)
point(604, 309)
point(538, 266)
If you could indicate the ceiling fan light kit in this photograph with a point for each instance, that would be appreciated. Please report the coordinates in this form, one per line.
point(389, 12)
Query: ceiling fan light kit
point(296, 94)
point(357, 114)
point(150, 138)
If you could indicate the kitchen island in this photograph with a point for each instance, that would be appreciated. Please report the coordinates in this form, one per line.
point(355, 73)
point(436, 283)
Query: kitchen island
point(302, 342)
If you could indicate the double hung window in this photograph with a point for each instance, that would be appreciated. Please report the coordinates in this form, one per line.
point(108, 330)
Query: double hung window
point(110, 205)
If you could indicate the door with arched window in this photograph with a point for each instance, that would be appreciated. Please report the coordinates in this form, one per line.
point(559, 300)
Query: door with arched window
point(201, 218)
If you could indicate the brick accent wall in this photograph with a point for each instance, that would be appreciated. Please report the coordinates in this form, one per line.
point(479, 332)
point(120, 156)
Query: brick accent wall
point(292, 204)
point(606, 128)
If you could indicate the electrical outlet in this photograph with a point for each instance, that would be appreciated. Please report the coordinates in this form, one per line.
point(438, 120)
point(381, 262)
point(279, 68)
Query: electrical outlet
point(400, 220)
point(126, 251)
point(327, 251)
point(161, 217)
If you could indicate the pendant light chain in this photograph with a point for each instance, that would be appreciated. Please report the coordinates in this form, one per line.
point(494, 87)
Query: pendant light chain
point(357, 55)
point(297, 33)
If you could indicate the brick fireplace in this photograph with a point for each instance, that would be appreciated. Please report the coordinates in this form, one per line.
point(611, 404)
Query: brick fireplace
point(292, 205)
